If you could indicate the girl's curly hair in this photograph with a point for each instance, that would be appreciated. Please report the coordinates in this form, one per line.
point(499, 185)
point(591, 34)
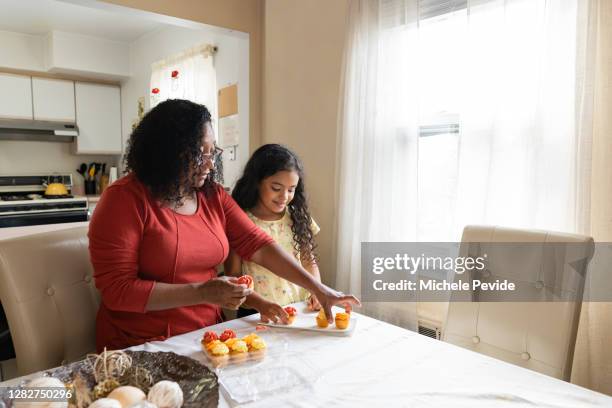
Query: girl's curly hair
point(266, 161)
point(165, 149)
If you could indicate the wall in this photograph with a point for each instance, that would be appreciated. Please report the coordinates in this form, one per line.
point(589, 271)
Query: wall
point(231, 64)
point(304, 42)
point(28, 157)
point(241, 15)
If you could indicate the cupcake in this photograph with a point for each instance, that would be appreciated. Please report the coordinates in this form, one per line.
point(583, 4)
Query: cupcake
point(230, 342)
point(239, 346)
point(248, 339)
point(257, 349)
point(239, 350)
point(209, 336)
point(208, 346)
point(245, 280)
point(322, 319)
point(292, 314)
point(227, 334)
point(342, 320)
point(257, 344)
point(219, 353)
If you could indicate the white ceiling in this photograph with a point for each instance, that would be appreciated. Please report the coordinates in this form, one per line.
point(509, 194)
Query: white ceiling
point(42, 16)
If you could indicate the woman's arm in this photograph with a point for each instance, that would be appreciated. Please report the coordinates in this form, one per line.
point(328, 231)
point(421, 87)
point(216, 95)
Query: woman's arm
point(233, 264)
point(274, 258)
point(218, 291)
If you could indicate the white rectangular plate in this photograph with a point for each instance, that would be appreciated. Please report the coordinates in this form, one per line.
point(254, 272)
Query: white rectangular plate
point(307, 321)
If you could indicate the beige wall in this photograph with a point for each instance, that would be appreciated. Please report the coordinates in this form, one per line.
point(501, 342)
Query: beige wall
point(241, 15)
point(303, 46)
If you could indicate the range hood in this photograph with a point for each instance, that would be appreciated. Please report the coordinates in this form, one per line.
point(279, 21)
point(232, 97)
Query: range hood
point(37, 130)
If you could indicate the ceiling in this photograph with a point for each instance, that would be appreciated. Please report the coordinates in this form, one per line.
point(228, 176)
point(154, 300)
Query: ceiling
point(41, 16)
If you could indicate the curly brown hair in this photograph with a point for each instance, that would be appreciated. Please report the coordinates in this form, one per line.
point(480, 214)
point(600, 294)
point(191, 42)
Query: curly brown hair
point(165, 148)
point(265, 162)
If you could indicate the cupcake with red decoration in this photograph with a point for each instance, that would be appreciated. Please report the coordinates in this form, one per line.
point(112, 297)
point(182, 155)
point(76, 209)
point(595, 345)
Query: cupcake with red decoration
point(227, 334)
point(245, 280)
point(292, 314)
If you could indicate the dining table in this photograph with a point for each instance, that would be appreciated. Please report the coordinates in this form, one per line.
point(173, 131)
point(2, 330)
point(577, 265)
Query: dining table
point(378, 365)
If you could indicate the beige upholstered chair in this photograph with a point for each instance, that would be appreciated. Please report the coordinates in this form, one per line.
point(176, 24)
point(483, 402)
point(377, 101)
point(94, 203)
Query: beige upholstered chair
point(48, 294)
point(537, 335)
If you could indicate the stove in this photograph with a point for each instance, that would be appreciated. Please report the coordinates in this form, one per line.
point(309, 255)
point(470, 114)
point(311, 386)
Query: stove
point(23, 202)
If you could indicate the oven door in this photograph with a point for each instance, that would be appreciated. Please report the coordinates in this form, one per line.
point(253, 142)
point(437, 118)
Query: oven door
point(21, 220)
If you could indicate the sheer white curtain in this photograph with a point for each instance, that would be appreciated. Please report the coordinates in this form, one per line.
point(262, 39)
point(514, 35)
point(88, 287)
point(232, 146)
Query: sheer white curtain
point(459, 112)
point(189, 75)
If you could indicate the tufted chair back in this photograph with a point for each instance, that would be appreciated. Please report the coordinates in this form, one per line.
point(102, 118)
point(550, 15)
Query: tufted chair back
point(539, 335)
point(48, 294)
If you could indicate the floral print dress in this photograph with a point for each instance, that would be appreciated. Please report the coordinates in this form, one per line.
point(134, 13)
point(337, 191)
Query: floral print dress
point(268, 285)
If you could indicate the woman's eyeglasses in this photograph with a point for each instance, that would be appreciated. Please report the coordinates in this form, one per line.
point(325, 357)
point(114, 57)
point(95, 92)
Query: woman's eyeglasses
point(211, 157)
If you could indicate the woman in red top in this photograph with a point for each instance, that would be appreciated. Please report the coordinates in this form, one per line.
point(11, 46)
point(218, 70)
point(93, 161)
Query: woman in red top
point(158, 234)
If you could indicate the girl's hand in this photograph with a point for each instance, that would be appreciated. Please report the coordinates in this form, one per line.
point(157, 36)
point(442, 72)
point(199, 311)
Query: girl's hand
point(329, 297)
point(221, 291)
point(313, 303)
point(271, 312)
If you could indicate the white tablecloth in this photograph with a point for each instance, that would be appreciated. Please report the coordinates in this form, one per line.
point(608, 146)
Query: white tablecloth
point(385, 366)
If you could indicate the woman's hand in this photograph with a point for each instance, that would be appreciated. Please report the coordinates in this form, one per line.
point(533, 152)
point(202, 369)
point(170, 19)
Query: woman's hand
point(271, 312)
point(221, 291)
point(329, 297)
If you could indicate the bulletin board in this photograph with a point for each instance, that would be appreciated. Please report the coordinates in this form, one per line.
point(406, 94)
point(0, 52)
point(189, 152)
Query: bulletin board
point(229, 125)
point(228, 101)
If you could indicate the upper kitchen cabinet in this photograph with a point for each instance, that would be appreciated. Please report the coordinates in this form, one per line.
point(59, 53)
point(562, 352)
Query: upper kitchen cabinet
point(53, 99)
point(15, 96)
point(98, 115)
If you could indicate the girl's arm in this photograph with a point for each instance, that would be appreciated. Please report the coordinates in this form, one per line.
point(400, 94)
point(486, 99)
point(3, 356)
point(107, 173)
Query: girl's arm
point(313, 269)
point(277, 260)
point(269, 311)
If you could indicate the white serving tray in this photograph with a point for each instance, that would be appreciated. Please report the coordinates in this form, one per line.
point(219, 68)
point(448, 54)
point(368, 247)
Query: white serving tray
point(307, 321)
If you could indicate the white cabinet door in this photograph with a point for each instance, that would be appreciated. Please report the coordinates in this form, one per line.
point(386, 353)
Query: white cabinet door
point(98, 116)
point(53, 99)
point(15, 96)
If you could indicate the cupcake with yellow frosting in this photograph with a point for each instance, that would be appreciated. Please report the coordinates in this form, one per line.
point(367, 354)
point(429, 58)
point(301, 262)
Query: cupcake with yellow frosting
point(257, 344)
point(230, 342)
point(219, 353)
point(342, 320)
point(210, 344)
point(322, 319)
point(239, 350)
point(257, 348)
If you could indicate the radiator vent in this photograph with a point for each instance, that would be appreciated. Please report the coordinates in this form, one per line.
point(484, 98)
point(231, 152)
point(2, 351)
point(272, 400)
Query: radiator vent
point(429, 330)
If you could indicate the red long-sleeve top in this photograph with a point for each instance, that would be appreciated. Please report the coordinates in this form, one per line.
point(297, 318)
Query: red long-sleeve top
point(134, 242)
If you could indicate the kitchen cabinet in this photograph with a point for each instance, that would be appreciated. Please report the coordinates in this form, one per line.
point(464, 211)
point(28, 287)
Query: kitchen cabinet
point(53, 99)
point(98, 115)
point(15, 96)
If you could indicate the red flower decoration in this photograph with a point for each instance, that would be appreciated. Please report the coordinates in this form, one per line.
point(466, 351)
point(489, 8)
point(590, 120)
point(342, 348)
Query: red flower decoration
point(227, 334)
point(155, 91)
point(245, 280)
point(174, 74)
point(210, 336)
